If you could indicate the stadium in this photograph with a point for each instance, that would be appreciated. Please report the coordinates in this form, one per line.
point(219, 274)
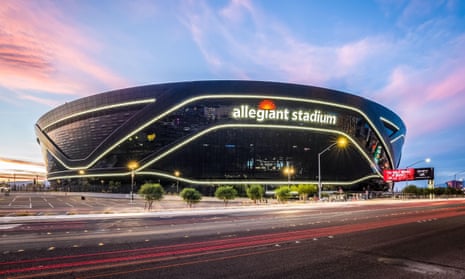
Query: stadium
point(220, 133)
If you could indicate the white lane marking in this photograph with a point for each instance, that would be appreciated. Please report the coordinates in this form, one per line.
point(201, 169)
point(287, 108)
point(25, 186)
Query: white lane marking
point(68, 204)
point(12, 201)
point(9, 226)
point(30, 202)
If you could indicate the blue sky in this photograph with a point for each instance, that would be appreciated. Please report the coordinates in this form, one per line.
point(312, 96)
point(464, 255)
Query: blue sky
point(406, 55)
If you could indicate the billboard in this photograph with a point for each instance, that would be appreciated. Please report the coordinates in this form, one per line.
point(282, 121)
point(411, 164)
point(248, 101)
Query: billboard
point(408, 174)
point(398, 175)
point(424, 173)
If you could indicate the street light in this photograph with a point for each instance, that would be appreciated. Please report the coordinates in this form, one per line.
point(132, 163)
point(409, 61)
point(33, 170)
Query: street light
point(177, 174)
point(341, 142)
point(427, 160)
point(81, 173)
point(132, 166)
point(289, 171)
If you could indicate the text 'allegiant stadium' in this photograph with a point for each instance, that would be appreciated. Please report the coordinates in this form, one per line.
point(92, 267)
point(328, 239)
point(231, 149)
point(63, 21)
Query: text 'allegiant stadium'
point(311, 116)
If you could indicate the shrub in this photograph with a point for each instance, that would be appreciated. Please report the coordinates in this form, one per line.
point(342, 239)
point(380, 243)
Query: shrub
point(190, 196)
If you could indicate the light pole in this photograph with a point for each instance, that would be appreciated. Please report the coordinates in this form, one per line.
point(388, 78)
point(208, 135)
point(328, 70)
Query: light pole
point(289, 171)
point(177, 174)
point(427, 160)
point(81, 173)
point(341, 142)
point(132, 166)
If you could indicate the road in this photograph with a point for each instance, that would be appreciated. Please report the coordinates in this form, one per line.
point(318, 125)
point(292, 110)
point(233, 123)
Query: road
point(381, 239)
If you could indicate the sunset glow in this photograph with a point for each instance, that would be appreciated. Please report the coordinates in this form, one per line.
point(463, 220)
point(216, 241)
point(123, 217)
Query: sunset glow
point(20, 170)
point(405, 55)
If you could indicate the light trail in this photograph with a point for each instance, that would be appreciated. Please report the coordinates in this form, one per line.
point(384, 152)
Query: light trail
point(105, 260)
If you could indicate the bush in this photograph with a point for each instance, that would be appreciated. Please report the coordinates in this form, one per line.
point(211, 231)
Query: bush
point(190, 196)
point(305, 190)
point(151, 192)
point(255, 192)
point(226, 193)
point(283, 193)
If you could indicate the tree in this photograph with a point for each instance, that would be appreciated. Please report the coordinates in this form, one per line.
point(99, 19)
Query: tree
point(410, 189)
point(305, 190)
point(190, 196)
point(151, 192)
point(283, 193)
point(255, 192)
point(114, 186)
point(226, 193)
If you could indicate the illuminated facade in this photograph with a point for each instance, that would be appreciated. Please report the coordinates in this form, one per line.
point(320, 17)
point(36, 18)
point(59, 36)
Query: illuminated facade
point(221, 132)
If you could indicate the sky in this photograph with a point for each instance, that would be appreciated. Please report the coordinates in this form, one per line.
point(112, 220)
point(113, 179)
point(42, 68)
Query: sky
point(406, 55)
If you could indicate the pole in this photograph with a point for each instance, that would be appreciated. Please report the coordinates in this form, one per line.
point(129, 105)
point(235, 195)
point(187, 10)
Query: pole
point(177, 174)
point(319, 176)
point(132, 185)
point(288, 178)
point(319, 168)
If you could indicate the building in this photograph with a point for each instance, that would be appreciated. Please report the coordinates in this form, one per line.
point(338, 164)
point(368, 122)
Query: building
point(221, 132)
point(455, 184)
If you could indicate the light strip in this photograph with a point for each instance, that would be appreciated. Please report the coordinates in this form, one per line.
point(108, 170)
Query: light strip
point(246, 182)
point(390, 123)
point(220, 182)
point(223, 126)
point(397, 138)
point(197, 98)
point(138, 102)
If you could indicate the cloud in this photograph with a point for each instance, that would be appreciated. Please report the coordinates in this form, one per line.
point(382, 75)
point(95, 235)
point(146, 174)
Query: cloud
point(403, 72)
point(41, 50)
point(240, 40)
point(235, 10)
point(416, 68)
point(429, 96)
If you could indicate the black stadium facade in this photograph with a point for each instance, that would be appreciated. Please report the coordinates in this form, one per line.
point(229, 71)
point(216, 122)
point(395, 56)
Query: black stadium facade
point(221, 133)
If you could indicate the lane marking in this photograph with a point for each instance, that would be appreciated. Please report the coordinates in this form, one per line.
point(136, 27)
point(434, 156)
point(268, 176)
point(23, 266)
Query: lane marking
point(9, 226)
point(14, 199)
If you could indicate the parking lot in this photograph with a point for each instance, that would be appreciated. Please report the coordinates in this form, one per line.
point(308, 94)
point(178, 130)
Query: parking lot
point(58, 203)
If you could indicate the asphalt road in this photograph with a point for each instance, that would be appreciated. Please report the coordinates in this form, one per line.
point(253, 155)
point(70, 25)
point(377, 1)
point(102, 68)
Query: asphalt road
point(373, 239)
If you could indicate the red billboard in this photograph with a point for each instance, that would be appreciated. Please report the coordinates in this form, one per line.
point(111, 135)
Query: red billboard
point(399, 175)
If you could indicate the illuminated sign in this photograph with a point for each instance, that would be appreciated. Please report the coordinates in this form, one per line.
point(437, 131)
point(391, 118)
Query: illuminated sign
point(398, 175)
point(267, 111)
point(408, 174)
point(424, 173)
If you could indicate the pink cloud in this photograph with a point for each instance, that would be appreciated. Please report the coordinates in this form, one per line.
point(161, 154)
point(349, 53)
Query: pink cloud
point(423, 100)
point(41, 50)
point(449, 86)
